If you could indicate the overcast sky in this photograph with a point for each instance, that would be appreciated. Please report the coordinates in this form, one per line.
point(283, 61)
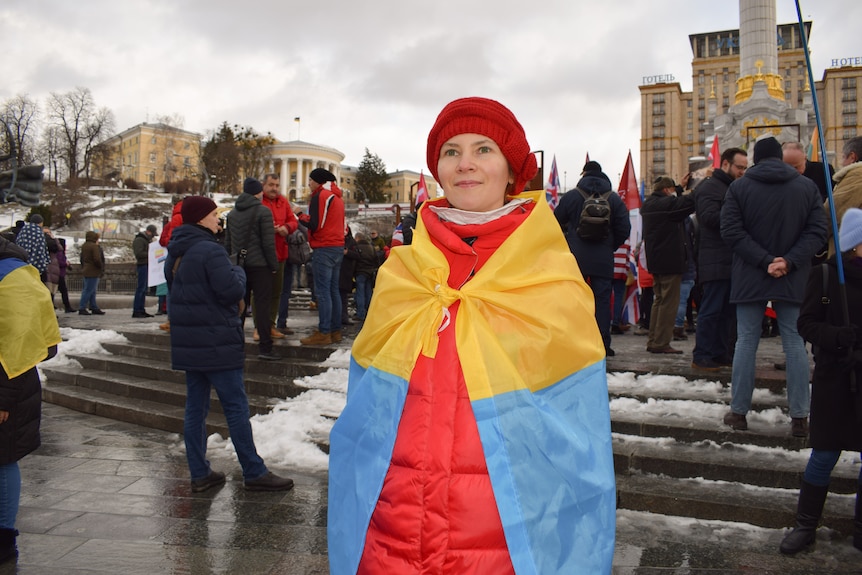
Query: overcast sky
point(376, 74)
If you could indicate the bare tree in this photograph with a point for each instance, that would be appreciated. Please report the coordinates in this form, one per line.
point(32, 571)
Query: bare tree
point(20, 113)
point(49, 152)
point(82, 127)
point(253, 149)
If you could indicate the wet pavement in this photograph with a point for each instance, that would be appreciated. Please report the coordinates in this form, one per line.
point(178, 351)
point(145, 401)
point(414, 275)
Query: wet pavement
point(101, 497)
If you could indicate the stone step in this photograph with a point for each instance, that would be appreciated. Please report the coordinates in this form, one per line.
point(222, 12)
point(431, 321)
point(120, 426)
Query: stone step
point(170, 394)
point(726, 501)
point(138, 411)
point(732, 462)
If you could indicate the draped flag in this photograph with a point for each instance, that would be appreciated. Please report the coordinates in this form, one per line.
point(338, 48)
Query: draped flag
point(714, 153)
point(552, 188)
point(421, 191)
point(543, 419)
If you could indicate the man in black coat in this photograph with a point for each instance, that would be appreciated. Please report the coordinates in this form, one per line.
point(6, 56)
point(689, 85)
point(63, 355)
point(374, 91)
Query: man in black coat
point(595, 258)
point(249, 228)
point(715, 324)
point(774, 222)
point(664, 213)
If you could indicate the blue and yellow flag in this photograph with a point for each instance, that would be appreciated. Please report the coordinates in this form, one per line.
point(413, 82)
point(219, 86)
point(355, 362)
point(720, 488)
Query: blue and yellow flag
point(533, 363)
point(28, 326)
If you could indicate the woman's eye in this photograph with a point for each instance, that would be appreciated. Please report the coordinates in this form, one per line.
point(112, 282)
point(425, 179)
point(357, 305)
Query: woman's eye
point(484, 149)
point(450, 152)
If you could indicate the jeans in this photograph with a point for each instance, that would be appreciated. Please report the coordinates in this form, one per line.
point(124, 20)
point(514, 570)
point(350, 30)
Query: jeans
point(820, 465)
point(619, 289)
point(364, 289)
point(286, 291)
point(88, 294)
point(10, 494)
point(684, 291)
point(140, 301)
point(326, 264)
point(748, 327)
point(231, 393)
point(714, 323)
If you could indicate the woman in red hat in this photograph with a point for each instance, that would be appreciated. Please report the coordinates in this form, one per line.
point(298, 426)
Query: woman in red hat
point(476, 436)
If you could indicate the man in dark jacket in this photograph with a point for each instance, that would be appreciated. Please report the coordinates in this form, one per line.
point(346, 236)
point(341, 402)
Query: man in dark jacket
point(250, 231)
point(141, 249)
point(774, 222)
point(715, 325)
point(595, 258)
point(207, 342)
point(664, 213)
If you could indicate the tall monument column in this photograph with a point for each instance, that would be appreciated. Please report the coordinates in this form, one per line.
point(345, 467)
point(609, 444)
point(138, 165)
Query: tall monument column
point(757, 37)
point(758, 52)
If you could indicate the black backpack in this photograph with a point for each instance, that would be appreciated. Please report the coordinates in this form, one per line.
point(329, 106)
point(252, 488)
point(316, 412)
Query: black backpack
point(594, 224)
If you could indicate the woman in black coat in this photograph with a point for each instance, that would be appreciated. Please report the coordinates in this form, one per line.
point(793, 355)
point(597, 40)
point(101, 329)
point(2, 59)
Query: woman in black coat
point(836, 398)
point(26, 315)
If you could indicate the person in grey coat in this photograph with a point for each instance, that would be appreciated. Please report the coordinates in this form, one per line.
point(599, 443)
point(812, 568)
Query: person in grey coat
point(774, 222)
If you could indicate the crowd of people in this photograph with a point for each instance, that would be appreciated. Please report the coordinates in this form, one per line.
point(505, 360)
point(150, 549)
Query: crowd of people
point(443, 373)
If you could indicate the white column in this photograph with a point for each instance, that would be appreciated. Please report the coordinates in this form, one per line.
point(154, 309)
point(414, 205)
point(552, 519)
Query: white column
point(283, 177)
point(758, 37)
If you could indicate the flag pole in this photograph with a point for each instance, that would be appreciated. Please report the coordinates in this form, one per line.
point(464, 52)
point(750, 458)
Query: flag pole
point(822, 140)
point(828, 177)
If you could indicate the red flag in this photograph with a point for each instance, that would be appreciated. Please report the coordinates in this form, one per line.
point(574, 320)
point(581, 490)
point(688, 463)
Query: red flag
point(629, 185)
point(714, 153)
point(421, 191)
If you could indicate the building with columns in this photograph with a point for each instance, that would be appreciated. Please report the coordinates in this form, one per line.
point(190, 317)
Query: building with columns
point(295, 160)
point(745, 83)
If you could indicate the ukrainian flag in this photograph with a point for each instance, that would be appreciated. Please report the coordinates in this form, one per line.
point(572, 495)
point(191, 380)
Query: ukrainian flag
point(28, 326)
point(534, 367)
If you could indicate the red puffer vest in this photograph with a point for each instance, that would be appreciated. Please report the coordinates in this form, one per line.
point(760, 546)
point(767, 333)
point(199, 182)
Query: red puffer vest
point(436, 513)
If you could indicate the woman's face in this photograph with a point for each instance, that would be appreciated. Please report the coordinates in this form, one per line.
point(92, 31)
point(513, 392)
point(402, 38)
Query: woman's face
point(210, 221)
point(474, 173)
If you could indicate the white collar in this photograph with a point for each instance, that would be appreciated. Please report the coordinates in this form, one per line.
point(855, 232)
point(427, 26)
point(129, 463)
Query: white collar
point(463, 217)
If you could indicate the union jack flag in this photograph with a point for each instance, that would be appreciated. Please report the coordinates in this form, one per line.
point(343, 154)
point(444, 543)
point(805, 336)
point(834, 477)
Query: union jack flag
point(552, 188)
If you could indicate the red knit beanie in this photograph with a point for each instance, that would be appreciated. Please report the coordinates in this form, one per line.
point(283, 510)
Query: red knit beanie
point(489, 118)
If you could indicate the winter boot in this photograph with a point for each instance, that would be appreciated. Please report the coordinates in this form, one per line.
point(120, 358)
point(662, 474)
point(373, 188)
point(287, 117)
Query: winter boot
point(857, 520)
point(8, 549)
point(811, 500)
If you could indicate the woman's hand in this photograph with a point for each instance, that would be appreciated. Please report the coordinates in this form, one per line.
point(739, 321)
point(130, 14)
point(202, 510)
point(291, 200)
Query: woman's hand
point(4, 415)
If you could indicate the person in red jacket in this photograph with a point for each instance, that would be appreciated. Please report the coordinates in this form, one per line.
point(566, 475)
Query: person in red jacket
point(285, 223)
point(325, 223)
point(162, 289)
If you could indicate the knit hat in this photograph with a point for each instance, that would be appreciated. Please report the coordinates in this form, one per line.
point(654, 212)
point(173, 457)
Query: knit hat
point(850, 233)
point(36, 219)
point(153, 229)
point(767, 148)
point(489, 118)
point(591, 166)
point(321, 176)
point(663, 182)
point(252, 186)
point(196, 208)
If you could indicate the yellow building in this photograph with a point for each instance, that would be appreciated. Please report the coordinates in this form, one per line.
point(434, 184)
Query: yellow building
point(150, 154)
point(677, 125)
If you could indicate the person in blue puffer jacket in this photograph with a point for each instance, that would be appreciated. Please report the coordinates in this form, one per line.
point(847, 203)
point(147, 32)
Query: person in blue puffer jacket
point(207, 342)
